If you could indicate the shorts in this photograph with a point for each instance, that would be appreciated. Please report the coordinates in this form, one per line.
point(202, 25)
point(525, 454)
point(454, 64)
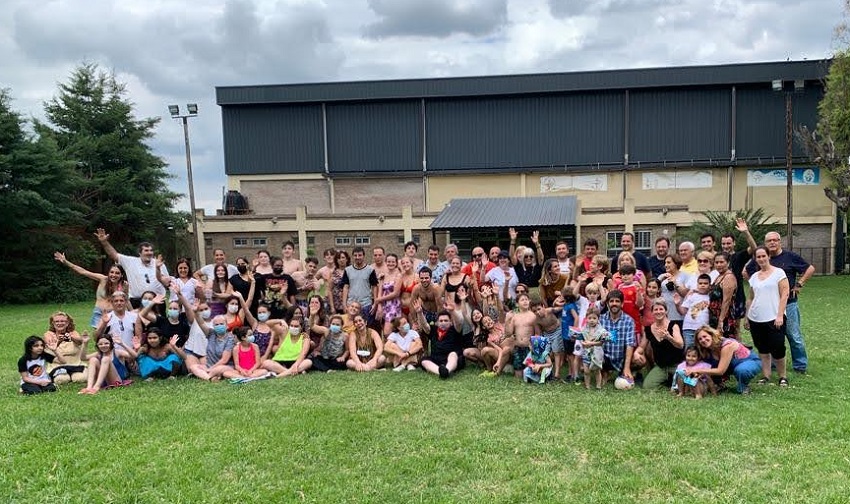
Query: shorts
point(610, 365)
point(96, 315)
point(520, 353)
point(556, 343)
point(467, 341)
point(443, 359)
point(285, 363)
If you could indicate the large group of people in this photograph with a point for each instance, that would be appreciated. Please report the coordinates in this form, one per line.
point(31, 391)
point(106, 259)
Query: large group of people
point(671, 320)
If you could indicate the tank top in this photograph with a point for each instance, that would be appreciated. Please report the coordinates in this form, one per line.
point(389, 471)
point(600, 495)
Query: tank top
point(247, 359)
point(237, 322)
point(289, 350)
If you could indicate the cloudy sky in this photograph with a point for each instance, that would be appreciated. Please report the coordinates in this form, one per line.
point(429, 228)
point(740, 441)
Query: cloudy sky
point(170, 51)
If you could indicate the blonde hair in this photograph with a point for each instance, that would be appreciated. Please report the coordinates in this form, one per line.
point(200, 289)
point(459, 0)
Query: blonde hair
point(628, 254)
point(601, 261)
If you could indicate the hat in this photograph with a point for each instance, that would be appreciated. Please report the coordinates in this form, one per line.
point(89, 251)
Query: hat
point(504, 254)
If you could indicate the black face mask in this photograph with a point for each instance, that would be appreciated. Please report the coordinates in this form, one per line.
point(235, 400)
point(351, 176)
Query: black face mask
point(277, 271)
point(242, 268)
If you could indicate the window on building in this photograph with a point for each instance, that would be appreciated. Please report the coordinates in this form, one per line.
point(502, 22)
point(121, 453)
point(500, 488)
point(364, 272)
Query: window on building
point(413, 238)
point(259, 242)
point(311, 241)
point(362, 240)
point(643, 241)
point(294, 239)
point(240, 242)
point(343, 241)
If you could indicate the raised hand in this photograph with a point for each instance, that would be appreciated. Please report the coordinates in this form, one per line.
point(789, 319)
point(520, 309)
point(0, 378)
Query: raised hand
point(173, 341)
point(513, 234)
point(101, 235)
point(535, 237)
point(741, 225)
point(59, 256)
point(159, 261)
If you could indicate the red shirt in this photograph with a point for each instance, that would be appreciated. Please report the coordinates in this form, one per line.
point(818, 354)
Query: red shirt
point(467, 270)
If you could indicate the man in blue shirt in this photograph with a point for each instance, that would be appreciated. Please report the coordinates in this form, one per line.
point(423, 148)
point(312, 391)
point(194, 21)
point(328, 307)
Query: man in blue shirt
point(621, 344)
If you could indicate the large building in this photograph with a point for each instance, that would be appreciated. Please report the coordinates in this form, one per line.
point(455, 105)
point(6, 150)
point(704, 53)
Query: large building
point(646, 150)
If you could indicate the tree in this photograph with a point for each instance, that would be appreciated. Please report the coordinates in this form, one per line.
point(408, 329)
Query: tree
point(720, 223)
point(122, 184)
point(35, 184)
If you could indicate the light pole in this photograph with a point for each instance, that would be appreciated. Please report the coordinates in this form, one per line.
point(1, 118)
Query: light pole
point(191, 111)
point(779, 86)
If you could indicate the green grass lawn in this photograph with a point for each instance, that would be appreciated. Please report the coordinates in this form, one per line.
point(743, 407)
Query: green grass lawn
point(408, 437)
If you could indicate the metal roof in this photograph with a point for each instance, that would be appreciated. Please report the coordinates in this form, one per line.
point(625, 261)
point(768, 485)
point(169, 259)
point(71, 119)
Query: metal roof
point(636, 78)
point(507, 212)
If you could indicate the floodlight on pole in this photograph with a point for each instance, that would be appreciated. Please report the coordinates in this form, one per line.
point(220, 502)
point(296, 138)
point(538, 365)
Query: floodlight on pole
point(192, 109)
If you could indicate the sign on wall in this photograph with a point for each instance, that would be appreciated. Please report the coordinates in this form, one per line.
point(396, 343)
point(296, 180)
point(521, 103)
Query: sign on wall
point(776, 177)
point(561, 183)
point(687, 179)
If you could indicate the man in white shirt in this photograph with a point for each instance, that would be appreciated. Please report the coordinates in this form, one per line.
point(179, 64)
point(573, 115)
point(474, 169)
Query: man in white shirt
point(141, 270)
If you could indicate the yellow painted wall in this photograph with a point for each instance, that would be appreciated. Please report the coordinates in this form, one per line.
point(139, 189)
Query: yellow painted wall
point(441, 190)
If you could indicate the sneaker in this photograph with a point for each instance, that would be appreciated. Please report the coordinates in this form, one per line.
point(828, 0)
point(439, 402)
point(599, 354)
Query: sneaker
point(399, 368)
point(444, 372)
point(783, 382)
point(411, 367)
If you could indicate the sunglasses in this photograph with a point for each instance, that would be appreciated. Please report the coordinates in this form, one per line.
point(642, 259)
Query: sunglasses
point(703, 261)
point(476, 256)
point(121, 324)
point(147, 279)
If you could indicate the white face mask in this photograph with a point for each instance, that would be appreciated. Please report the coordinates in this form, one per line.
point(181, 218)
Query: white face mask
point(262, 317)
point(232, 308)
point(206, 314)
point(295, 331)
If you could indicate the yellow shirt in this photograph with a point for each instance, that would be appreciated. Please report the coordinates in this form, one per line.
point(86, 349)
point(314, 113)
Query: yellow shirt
point(690, 268)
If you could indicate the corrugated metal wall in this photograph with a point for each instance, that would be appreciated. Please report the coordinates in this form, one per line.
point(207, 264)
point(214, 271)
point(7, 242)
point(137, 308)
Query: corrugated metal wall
point(680, 125)
point(272, 139)
point(374, 137)
point(760, 131)
point(531, 131)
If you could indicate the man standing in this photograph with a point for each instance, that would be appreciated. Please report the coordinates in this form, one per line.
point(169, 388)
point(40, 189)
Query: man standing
point(360, 283)
point(562, 254)
point(433, 263)
point(689, 262)
point(621, 345)
point(291, 264)
point(478, 267)
point(494, 254)
point(590, 247)
point(627, 243)
point(707, 242)
point(656, 262)
point(378, 264)
point(218, 258)
point(141, 270)
point(793, 265)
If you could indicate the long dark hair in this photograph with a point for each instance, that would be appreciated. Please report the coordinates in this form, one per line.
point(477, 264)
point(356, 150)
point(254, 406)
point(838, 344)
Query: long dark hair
point(29, 343)
point(122, 282)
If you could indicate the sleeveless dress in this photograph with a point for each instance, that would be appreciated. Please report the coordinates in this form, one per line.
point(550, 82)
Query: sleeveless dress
point(336, 289)
point(715, 303)
point(392, 307)
point(262, 339)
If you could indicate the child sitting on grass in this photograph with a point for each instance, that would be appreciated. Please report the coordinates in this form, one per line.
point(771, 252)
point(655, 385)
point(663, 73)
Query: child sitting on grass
point(33, 366)
point(538, 364)
point(694, 385)
point(159, 358)
point(107, 366)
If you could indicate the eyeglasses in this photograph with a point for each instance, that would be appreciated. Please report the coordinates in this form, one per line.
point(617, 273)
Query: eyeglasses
point(703, 261)
point(148, 280)
point(476, 256)
point(529, 256)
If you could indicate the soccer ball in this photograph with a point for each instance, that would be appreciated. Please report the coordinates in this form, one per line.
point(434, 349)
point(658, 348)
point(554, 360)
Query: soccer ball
point(623, 383)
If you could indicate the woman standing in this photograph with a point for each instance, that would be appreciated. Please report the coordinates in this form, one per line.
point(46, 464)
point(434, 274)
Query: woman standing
point(387, 306)
point(263, 263)
point(341, 261)
point(726, 356)
point(189, 287)
point(218, 290)
point(552, 282)
point(245, 283)
point(766, 315)
point(114, 280)
point(721, 298)
point(673, 286)
point(454, 279)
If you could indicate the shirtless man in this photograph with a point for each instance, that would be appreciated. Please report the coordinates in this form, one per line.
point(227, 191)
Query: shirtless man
point(307, 281)
point(428, 295)
point(519, 329)
point(325, 271)
point(378, 264)
point(291, 264)
point(548, 324)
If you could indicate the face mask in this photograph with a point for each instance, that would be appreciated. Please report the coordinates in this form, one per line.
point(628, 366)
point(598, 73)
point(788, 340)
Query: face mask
point(173, 313)
point(220, 329)
point(444, 326)
point(295, 331)
point(232, 308)
point(405, 327)
point(335, 328)
point(250, 339)
point(262, 317)
point(206, 314)
point(241, 268)
point(146, 303)
point(277, 271)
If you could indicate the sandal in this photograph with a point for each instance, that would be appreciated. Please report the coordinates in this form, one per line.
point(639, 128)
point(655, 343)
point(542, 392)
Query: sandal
point(763, 381)
point(783, 382)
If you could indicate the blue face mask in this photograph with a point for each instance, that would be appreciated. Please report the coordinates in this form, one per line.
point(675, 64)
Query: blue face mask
point(250, 339)
point(262, 317)
point(146, 303)
point(173, 313)
point(335, 328)
point(220, 329)
point(405, 327)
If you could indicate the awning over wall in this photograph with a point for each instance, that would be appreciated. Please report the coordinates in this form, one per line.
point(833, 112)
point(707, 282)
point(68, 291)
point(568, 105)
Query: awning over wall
point(540, 211)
